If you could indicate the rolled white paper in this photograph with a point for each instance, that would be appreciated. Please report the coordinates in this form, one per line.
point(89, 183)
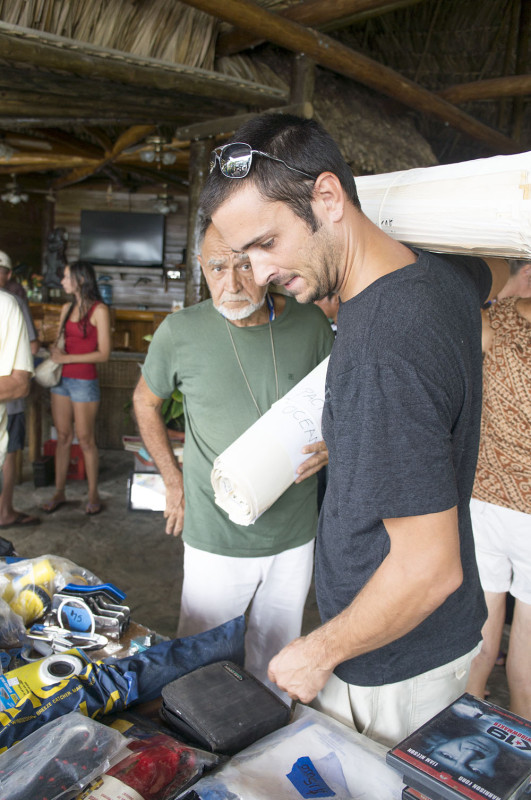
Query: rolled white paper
point(261, 464)
point(480, 207)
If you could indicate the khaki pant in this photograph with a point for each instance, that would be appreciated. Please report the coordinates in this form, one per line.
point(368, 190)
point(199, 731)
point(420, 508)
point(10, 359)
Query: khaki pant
point(391, 712)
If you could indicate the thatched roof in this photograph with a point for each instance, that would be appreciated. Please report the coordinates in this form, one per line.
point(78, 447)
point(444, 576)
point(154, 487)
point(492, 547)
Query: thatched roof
point(84, 83)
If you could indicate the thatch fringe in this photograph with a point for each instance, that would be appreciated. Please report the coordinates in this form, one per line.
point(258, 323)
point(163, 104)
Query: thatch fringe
point(172, 32)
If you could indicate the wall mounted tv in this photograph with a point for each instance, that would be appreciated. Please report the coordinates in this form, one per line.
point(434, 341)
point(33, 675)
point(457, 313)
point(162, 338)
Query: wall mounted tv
point(122, 238)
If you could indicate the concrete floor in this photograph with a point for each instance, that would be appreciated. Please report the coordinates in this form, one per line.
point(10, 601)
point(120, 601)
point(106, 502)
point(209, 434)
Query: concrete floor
point(129, 549)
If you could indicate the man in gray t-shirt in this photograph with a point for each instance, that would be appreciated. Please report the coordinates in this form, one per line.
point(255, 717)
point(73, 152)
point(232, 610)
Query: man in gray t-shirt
point(396, 577)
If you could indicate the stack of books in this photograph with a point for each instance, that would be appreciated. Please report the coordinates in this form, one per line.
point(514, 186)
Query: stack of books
point(471, 749)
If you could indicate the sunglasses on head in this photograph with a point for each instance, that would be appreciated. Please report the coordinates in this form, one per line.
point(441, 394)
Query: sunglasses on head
point(235, 160)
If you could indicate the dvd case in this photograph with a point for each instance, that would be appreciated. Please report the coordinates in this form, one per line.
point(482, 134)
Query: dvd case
point(409, 793)
point(471, 749)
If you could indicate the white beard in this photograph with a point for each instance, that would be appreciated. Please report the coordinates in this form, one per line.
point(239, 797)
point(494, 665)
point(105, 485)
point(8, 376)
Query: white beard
point(239, 313)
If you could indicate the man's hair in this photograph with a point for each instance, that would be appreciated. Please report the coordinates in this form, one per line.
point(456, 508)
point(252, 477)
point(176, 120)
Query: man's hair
point(516, 264)
point(301, 143)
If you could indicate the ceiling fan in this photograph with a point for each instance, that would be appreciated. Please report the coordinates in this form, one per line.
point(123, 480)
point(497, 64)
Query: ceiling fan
point(15, 195)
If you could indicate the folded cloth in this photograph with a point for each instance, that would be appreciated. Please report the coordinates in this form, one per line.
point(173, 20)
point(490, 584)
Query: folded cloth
point(261, 464)
point(480, 207)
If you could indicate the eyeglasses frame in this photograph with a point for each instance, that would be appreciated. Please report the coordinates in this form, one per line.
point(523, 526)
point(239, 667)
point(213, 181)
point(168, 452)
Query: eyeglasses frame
point(218, 151)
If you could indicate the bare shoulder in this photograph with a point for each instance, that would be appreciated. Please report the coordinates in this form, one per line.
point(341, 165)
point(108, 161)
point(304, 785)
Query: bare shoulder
point(101, 313)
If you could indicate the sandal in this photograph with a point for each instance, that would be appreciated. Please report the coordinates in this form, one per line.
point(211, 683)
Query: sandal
point(93, 508)
point(53, 504)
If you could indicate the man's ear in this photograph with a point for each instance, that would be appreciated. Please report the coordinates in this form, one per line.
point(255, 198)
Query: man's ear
point(328, 193)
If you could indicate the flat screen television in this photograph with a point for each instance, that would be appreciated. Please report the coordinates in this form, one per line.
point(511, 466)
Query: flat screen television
point(122, 238)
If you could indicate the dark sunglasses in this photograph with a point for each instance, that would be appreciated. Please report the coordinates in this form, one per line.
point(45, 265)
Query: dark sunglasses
point(235, 160)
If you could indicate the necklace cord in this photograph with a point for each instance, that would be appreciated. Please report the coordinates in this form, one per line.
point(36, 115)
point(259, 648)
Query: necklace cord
point(243, 371)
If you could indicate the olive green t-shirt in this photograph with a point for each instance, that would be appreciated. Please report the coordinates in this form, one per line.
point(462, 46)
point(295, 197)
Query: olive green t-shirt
point(192, 350)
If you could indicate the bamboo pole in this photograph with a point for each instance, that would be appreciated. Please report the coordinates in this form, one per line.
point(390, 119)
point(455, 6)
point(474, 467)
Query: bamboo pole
point(493, 89)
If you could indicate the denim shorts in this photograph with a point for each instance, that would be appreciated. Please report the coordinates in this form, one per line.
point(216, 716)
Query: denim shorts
point(78, 390)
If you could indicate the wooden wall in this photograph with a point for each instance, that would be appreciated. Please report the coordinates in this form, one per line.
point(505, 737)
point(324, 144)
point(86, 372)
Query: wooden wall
point(134, 286)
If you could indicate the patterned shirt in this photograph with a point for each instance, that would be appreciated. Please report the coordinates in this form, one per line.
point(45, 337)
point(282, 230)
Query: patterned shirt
point(503, 475)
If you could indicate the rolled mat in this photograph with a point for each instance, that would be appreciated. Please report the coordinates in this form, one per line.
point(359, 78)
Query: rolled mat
point(261, 464)
point(480, 207)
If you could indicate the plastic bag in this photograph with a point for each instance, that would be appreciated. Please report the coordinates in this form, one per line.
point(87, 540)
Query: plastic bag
point(59, 759)
point(28, 584)
point(12, 629)
point(313, 756)
point(109, 687)
point(157, 767)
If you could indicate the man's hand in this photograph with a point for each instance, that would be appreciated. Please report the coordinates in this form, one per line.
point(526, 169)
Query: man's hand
point(314, 463)
point(174, 512)
point(299, 669)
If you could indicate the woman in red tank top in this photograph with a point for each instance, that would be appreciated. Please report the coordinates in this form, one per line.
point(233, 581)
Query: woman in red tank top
point(75, 401)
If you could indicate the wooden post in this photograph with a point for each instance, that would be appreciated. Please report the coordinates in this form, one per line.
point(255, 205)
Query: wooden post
point(34, 422)
point(302, 79)
point(195, 289)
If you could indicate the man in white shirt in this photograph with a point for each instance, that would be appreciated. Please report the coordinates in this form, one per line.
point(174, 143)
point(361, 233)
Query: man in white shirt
point(16, 362)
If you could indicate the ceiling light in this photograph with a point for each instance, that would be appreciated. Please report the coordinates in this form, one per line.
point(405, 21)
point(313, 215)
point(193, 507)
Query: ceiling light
point(155, 152)
point(165, 204)
point(13, 194)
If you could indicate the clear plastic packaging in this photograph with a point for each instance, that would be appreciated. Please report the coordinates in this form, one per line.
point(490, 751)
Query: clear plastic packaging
point(12, 629)
point(158, 767)
point(59, 759)
point(313, 756)
point(28, 584)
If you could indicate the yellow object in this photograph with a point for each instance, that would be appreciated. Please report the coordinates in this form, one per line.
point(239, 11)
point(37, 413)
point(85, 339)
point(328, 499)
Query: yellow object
point(32, 603)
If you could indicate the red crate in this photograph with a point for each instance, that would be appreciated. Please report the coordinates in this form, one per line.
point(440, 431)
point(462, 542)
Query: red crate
point(76, 468)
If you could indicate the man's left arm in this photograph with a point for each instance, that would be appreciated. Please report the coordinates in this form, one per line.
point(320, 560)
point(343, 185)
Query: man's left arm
point(422, 569)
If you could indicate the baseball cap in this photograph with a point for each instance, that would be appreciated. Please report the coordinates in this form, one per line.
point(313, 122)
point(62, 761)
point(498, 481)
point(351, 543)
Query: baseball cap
point(5, 261)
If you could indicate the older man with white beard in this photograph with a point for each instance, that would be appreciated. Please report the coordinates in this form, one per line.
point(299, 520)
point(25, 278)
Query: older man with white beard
point(232, 357)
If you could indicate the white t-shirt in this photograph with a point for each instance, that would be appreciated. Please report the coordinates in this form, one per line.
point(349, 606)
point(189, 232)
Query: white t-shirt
point(15, 353)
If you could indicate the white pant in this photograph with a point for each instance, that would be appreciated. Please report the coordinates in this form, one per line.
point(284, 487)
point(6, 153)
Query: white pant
point(273, 589)
point(391, 712)
point(502, 537)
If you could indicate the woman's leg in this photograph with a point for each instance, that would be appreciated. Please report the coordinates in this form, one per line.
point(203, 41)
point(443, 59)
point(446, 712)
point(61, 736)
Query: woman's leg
point(491, 633)
point(519, 660)
point(85, 425)
point(63, 419)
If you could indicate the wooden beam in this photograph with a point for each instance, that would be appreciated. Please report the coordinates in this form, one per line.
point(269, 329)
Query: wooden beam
point(50, 89)
point(36, 103)
point(341, 59)
point(127, 139)
point(227, 125)
point(32, 167)
point(492, 89)
point(47, 51)
point(314, 14)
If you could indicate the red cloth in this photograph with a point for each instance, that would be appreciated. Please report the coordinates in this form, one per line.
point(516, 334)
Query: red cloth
point(81, 337)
